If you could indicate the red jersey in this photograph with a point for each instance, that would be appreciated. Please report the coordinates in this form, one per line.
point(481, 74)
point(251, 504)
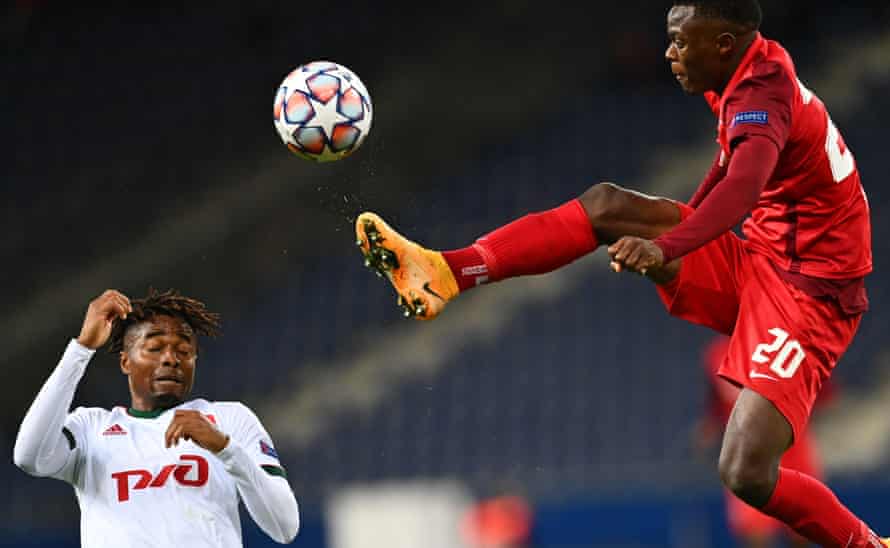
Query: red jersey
point(812, 218)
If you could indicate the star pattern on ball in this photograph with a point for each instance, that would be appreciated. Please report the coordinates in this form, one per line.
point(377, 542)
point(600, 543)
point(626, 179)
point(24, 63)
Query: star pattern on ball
point(326, 117)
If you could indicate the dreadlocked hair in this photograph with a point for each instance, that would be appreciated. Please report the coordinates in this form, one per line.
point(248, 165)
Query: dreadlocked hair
point(746, 13)
point(166, 303)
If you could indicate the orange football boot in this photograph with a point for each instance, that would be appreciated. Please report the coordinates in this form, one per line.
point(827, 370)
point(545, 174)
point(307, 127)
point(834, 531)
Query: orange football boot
point(421, 276)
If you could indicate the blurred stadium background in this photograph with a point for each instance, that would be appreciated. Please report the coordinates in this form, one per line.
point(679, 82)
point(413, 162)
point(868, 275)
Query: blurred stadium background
point(140, 152)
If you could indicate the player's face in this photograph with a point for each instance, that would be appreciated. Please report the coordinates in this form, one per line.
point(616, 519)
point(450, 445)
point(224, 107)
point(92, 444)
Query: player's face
point(160, 362)
point(694, 52)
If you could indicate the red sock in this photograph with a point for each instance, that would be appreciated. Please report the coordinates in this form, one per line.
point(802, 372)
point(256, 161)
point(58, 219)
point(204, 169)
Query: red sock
point(809, 507)
point(535, 244)
point(467, 266)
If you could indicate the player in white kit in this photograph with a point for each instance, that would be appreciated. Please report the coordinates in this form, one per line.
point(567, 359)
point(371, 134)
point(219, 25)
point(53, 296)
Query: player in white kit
point(167, 471)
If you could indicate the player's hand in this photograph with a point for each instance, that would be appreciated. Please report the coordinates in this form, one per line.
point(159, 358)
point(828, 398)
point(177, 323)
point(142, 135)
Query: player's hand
point(636, 255)
point(100, 314)
point(191, 425)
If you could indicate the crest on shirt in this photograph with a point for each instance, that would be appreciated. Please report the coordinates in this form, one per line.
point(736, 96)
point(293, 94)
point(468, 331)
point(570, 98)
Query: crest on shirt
point(267, 449)
point(758, 117)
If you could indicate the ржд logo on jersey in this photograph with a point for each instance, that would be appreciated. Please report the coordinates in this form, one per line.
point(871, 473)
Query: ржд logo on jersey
point(180, 472)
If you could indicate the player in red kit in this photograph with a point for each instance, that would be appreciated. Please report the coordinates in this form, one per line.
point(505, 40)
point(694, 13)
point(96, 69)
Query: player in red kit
point(752, 528)
point(790, 295)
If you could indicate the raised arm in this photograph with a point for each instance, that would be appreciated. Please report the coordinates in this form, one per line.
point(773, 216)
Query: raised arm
point(44, 446)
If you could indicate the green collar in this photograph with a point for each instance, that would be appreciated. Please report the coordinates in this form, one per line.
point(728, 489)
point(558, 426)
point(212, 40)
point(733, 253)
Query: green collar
point(153, 414)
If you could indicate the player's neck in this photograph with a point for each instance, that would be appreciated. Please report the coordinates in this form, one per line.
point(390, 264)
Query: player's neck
point(745, 42)
point(144, 409)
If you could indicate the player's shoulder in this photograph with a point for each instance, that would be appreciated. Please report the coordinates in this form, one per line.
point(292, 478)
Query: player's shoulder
point(231, 409)
point(769, 73)
point(769, 69)
point(91, 414)
point(235, 406)
point(766, 79)
point(776, 68)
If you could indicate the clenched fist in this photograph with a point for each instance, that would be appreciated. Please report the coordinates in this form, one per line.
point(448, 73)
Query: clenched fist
point(635, 255)
point(100, 314)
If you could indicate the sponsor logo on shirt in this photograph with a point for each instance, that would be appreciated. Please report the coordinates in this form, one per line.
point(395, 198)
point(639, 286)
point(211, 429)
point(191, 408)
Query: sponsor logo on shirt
point(185, 473)
point(115, 430)
point(267, 449)
point(759, 117)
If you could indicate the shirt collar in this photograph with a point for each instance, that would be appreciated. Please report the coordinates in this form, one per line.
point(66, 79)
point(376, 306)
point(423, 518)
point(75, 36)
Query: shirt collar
point(153, 414)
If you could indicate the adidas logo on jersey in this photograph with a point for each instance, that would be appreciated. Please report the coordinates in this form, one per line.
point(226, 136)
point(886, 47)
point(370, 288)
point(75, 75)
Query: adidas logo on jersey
point(114, 430)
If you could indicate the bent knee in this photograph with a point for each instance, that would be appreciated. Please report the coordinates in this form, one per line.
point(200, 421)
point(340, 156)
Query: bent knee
point(614, 212)
point(601, 200)
point(750, 478)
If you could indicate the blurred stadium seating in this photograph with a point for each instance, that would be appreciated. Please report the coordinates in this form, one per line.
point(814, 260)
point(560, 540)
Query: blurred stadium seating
point(575, 390)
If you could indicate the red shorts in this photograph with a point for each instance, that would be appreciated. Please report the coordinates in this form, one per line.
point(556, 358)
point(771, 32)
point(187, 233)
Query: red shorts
point(784, 343)
point(746, 521)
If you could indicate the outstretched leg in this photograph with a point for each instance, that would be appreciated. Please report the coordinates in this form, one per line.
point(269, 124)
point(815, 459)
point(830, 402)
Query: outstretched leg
point(756, 437)
point(534, 244)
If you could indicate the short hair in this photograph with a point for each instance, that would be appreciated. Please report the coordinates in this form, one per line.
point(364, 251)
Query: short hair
point(166, 303)
point(746, 13)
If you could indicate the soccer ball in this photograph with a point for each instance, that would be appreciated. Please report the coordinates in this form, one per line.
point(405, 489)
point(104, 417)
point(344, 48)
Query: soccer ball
point(322, 111)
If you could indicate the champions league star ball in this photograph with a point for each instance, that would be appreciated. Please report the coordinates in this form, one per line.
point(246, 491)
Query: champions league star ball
point(322, 111)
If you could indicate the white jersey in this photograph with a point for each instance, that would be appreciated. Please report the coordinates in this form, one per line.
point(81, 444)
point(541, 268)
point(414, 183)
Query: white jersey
point(135, 492)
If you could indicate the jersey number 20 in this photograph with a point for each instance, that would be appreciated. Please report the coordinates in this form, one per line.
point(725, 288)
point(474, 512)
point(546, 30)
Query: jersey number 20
point(788, 351)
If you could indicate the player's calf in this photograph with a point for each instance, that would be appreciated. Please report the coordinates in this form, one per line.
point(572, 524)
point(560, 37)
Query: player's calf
point(756, 437)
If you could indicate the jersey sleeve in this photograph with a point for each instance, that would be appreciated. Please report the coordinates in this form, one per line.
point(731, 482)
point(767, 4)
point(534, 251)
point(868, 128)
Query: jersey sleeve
point(761, 105)
point(714, 176)
point(252, 461)
point(731, 199)
point(51, 441)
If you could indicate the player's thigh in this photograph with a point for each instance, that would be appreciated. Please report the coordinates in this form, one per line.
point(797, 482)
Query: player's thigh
point(785, 343)
point(706, 289)
point(615, 212)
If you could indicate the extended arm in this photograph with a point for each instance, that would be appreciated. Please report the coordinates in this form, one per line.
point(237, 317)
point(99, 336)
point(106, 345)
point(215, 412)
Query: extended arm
point(42, 448)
